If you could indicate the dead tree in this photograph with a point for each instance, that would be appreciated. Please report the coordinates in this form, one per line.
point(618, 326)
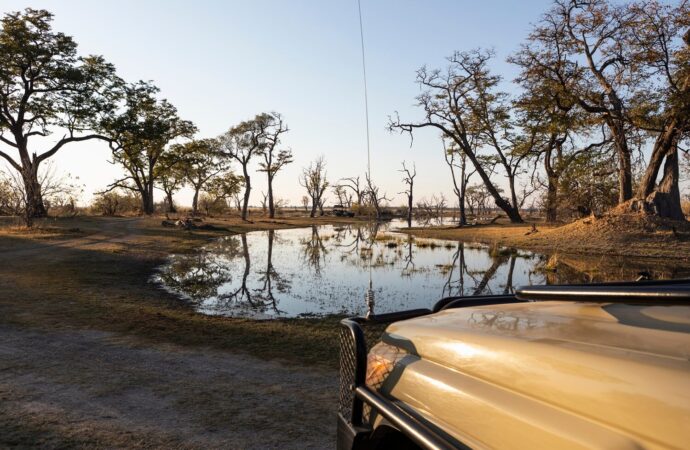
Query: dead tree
point(458, 160)
point(374, 196)
point(313, 179)
point(408, 179)
point(353, 184)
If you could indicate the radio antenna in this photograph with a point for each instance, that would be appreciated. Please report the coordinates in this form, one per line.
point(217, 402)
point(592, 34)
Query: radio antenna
point(369, 298)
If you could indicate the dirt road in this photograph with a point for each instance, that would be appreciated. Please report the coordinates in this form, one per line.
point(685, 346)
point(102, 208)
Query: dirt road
point(96, 389)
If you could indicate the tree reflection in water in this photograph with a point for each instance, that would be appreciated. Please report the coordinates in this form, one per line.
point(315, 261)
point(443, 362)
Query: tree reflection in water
point(313, 251)
point(324, 269)
point(198, 276)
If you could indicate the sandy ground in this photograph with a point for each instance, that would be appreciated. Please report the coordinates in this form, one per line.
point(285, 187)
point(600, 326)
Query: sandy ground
point(96, 389)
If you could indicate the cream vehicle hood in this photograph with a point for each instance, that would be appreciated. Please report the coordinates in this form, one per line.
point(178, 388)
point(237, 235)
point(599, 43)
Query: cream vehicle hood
point(550, 374)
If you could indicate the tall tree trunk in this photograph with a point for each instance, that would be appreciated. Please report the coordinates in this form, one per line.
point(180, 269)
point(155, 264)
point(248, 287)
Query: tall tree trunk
point(552, 199)
point(271, 206)
point(461, 197)
point(145, 202)
point(195, 201)
point(512, 213)
point(664, 199)
point(409, 208)
point(171, 203)
point(151, 204)
point(314, 205)
point(34, 198)
point(625, 191)
point(513, 195)
point(247, 192)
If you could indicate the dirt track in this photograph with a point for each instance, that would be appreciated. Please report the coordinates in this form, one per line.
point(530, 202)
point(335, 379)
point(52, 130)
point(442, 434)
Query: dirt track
point(96, 389)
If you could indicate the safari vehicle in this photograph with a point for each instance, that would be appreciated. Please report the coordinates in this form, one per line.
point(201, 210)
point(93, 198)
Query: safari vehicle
point(552, 367)
point(341, 211)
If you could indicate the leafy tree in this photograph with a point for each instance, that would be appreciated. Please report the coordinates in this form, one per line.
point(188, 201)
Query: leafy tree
point(578, 49)
point(464, 104)
point(45, 86)
point(590, 185)
point(274, 160)
point(139, 136)
point(171, 175)
point(114, 202)
point(224, 187)
point(244, 141)
point(200, 160)
point(659, 45)
point(313, 179)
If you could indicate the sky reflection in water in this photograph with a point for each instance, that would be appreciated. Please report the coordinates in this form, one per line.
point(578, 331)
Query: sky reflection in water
point(325, 269)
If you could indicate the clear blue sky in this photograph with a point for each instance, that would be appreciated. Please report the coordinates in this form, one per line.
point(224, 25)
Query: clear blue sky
point(221, 62)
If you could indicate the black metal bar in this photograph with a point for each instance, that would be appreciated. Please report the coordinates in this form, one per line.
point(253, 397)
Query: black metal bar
point(674, 292)
point(394, 316)
point(419, 432)
point(360, 367)
point(476, 300)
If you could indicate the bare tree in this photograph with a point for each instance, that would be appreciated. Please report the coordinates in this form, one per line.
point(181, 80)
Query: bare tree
point(353, 184)
point(274, 160)
point(458, 160)
point(264, 202)
point(464, 104)
point(313, 179)
point(408, 179)
point(374, 197)
point(344, 197)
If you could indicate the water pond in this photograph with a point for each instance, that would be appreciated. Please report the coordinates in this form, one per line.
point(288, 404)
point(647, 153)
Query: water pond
point(323, 270)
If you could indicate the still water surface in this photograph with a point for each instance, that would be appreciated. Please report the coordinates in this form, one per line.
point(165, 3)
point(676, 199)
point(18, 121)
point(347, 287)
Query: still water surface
point(325, 269)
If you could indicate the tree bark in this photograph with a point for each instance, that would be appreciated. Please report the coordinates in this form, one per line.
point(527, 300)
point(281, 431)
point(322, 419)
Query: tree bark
point(513, 213)
point(247, 192)
point(35, 207)
point(625, 191)
point(171, 203)
point(195, 202)
point(271, 206)
point(664, 199)
point(552, 200)
point(409, 208)
point(461, 197)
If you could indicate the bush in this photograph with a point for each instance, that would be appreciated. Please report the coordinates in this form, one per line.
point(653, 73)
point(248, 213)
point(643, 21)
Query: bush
point(115, 203)
point(212, 205)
